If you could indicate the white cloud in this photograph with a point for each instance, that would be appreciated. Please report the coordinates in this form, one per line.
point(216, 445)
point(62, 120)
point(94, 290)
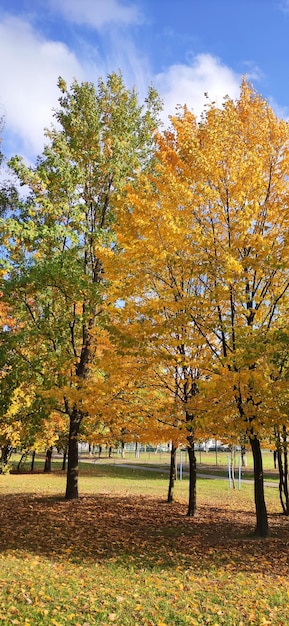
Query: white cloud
point(97, 13)
point(28, 82)
point(28, 78)
point(187, 84)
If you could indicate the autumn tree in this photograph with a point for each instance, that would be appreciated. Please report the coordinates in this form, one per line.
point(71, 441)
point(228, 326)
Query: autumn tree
point(212, 226)
point(237, 173)
point(159, 266)
point(58, 235)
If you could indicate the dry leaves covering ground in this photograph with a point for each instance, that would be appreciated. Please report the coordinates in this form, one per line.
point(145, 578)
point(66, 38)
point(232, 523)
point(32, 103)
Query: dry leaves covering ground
point(132, 559)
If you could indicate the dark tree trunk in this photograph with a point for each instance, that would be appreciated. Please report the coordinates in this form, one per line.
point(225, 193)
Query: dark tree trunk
point(110, 452)
point(172, 474)
point(262, 527)
point(192, 477)
point(48, 458)
point(285, 452)
point(5, 454)
point(32, 461)
point(282, 455)
point(63, 468)
point(232, 463)
point(21, 460)
point(243, 456)
point(72, 466)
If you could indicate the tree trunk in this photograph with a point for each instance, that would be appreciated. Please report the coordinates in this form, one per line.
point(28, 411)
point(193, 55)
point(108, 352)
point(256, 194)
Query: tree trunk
point(281, 454)
point(192, 477)
point(72, 466)
point(63, 468)
point(232, 462)
point(262, 528)
point(47, 464)
point(21, 460)
point(5, 454)
point(172, 474)
point(285, 453)
point(32, 461)
point(243, 456)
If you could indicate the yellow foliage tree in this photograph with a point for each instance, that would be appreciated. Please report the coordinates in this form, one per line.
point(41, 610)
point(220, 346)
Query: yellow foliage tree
point(206, 239)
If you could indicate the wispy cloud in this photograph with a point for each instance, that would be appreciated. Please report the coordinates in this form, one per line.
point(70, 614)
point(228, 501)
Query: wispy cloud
point(97, 13)
point(281, 111)
point(284, 6)
point(252, 71)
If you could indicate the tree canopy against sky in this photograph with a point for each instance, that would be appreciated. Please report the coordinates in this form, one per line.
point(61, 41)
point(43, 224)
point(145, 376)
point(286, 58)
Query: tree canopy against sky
point(206, 250)
point(57, 236)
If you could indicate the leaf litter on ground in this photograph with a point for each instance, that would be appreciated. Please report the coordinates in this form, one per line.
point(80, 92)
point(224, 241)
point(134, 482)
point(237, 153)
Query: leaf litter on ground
point(133, 559)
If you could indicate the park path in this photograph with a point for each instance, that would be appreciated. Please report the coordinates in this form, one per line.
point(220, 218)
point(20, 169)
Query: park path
point(164, 469)
point(199, 474)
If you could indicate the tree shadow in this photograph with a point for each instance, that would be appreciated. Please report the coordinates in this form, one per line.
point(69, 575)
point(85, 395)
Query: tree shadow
point(125, 471)
point(140, 531)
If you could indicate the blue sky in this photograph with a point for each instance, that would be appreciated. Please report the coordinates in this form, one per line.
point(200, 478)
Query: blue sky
point(184, 47)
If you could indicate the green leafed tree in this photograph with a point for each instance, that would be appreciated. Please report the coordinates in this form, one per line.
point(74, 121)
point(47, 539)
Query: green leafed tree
point(57, 239)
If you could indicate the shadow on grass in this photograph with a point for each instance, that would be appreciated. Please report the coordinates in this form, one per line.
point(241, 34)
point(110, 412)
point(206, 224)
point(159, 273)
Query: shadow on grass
point(124, 471)
point(139, 532)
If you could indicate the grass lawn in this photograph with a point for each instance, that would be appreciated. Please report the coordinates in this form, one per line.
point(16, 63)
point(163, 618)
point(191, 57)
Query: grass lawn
point(121, 555)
